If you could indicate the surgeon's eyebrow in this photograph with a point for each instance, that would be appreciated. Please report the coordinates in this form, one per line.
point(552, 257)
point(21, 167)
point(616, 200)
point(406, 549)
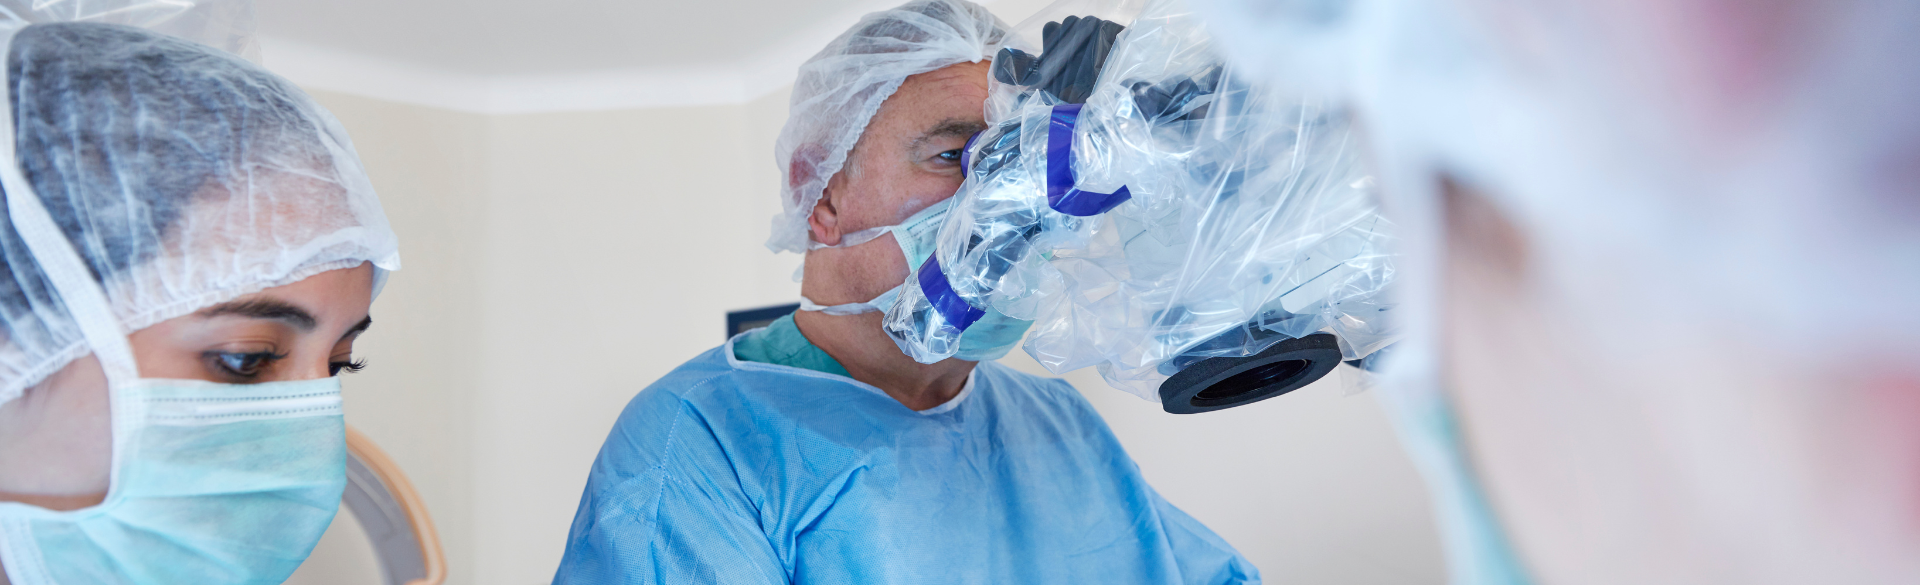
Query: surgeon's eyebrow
point(265, 309)
point(947, 128)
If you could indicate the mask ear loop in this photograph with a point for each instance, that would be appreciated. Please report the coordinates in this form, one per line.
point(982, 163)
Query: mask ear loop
point(72, 281)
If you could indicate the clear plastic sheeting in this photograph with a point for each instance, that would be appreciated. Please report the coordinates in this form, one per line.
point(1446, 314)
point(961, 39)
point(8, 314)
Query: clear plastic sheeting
point(1182, 212)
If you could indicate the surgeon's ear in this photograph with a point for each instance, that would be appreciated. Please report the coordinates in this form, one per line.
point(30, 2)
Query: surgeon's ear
point(824, 222)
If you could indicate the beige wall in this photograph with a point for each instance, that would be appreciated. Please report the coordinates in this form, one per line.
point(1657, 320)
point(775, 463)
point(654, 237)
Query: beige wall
point(423, 350)
point(616, 243)
point(558, 263)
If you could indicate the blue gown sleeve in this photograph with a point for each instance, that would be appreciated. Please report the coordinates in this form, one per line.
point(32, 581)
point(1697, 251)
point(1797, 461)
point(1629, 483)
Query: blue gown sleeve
point(663, 505)
point(1204, 558)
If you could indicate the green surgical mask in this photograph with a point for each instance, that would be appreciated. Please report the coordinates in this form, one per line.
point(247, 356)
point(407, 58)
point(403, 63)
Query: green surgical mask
point(915, 236)
point(990, 338)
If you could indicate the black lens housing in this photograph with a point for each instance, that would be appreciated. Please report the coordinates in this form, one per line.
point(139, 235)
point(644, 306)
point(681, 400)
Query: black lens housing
point(1225, 382)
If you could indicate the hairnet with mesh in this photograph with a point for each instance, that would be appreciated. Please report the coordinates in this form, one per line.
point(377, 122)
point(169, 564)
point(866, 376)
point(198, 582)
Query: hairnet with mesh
point(841, 87)
point(183, 176)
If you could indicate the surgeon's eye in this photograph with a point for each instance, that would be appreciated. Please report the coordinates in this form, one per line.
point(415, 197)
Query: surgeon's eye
point(351, 366)
point(246, 366)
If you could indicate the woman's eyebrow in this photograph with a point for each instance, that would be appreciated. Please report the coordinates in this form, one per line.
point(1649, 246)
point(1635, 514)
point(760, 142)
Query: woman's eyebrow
point(358, 328)
point(265, 309)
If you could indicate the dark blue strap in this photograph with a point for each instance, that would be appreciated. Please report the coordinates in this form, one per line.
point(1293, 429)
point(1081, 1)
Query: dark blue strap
point(1061, 195)
point(933, 283)
point(967, 169)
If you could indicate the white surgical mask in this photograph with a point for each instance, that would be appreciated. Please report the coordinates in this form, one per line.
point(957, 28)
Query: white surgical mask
point(210, 483)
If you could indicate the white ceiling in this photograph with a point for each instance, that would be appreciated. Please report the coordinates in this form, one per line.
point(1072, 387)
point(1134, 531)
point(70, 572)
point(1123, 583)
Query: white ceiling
point(502, 37)
point(496, 56)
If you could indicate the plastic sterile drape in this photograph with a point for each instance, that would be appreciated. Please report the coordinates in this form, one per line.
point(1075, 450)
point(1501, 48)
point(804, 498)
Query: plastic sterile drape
point(1152, 206)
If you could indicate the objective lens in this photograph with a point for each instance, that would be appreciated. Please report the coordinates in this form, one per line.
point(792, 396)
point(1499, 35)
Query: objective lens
point(1213, 383)
point(1251, 380)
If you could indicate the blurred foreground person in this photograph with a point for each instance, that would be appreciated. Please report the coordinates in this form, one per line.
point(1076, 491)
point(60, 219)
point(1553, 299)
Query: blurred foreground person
point(190, 250)
point(814, 450)
point(1667, 275)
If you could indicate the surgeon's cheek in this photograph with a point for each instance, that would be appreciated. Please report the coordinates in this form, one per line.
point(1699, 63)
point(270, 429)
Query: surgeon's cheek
point(1501, 367)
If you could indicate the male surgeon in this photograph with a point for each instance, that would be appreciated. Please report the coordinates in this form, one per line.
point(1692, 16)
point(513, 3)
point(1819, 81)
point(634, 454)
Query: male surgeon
point(813, 450)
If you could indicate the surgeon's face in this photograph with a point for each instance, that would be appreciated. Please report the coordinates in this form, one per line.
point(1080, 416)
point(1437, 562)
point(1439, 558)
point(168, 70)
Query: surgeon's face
point(907, 159)
point(1618, 450)
point(55, 443)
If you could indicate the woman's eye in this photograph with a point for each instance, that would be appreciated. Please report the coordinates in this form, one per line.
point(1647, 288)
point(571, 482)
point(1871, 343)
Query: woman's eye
point(335, 368)
point(245, 365)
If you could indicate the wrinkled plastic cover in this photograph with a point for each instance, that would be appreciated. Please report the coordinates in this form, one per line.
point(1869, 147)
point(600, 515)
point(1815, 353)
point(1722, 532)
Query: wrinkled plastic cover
point(1252, 219)
point(842, 86)
point(183, 175)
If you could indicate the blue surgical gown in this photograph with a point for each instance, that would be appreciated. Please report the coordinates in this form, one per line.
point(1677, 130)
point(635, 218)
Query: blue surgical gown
point(728, 471)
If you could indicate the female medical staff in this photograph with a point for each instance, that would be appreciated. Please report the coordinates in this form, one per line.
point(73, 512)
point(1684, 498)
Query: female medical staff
point(190, 250)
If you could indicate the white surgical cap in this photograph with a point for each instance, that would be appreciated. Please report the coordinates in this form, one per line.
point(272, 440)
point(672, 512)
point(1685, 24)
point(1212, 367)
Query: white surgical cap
point(182, 175)
point(841, 87)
